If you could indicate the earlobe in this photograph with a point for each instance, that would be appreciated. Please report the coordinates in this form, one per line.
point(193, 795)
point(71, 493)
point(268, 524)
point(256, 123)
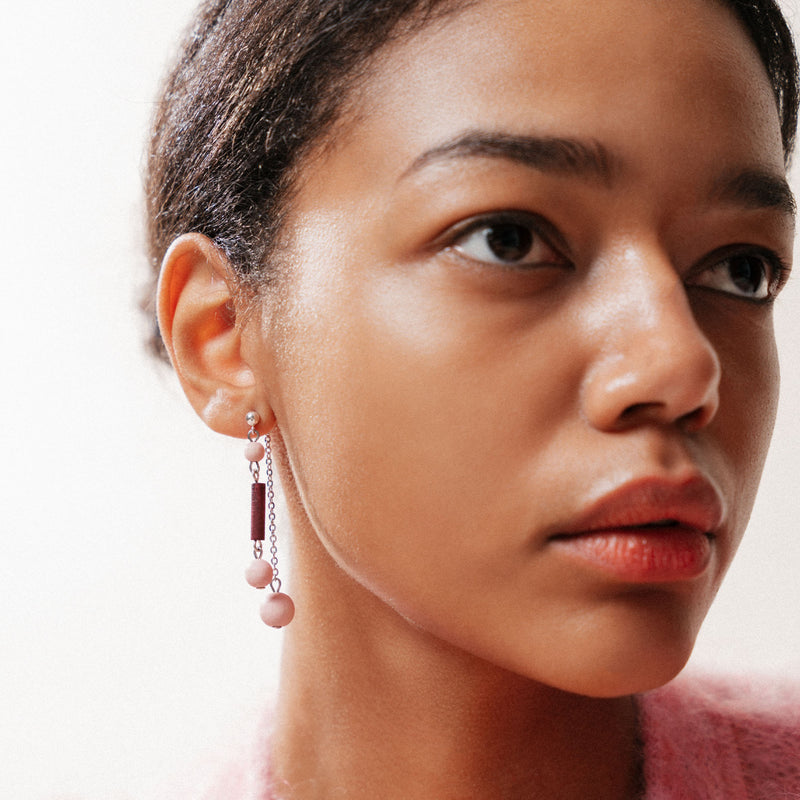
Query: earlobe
point(197, 318)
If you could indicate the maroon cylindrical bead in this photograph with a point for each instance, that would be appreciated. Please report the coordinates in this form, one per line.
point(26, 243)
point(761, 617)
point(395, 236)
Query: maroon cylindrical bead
point(258, 498)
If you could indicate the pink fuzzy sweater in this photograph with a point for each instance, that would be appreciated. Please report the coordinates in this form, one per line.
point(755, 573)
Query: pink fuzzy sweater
point(704, 739)
point(718, 740)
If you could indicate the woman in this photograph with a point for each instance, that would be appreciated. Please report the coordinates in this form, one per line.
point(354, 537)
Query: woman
point(496, 278)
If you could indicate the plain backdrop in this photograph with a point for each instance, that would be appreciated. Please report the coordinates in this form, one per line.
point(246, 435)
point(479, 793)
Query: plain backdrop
point(130, 646)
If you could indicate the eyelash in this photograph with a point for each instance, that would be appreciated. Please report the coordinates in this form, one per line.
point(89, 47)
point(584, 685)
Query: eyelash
point(541, 232)
point(775, 271)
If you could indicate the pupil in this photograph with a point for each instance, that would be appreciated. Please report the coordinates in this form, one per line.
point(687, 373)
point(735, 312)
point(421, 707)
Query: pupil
point(747, 273)
point(509, 242)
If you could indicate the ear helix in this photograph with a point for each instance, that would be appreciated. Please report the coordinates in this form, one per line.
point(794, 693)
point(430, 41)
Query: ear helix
point(277, 609)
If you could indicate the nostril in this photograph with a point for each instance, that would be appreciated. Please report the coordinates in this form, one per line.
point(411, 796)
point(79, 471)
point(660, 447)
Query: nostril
point(639, 412)
point(695, 420)
point(643, 413)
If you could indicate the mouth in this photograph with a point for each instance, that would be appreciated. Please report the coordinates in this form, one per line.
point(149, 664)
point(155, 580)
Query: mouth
point(647, 531)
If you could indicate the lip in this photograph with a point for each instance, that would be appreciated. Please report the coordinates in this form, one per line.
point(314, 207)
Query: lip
point(646, 531)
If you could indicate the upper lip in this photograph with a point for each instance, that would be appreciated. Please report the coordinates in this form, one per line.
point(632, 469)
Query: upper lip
point(691, 503)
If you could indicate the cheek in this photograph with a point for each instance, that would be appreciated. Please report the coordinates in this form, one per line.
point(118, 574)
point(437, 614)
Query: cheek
point(749, 397)
point(416, 419)
point(748, 403)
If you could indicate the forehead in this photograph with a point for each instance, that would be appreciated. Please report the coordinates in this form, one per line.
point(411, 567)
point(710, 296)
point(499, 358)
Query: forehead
point(642, 77)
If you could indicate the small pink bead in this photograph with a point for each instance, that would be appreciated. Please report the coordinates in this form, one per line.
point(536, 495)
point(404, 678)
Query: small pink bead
point(277, 610)
point(258, 573)
point(254, 451)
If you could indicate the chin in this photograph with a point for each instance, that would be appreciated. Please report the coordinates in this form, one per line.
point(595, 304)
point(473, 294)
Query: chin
point(609, 680)
point(619, 674)
point(625, 652)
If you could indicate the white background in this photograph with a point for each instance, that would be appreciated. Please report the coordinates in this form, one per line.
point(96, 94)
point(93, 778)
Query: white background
point(130, 647)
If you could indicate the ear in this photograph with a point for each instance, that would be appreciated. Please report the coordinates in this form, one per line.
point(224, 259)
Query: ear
point(197, 319)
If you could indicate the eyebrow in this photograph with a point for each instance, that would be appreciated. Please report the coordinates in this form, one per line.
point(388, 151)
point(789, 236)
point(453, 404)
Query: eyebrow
point(545, 153)
point(757, 189)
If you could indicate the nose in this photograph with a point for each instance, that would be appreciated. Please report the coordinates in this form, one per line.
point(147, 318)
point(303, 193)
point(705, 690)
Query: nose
point(652, 363)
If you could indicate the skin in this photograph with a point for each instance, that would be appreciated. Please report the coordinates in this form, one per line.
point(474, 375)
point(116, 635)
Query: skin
point(437, 417)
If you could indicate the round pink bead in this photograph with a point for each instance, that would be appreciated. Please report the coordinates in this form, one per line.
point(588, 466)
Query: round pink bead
point(277, 610)
point(258, 573)
point(254, 451)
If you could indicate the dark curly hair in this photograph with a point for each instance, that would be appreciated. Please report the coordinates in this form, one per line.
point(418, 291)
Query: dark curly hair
point(258, 82)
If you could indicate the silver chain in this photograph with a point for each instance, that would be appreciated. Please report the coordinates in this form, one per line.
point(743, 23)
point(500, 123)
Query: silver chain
point(273, 546)
point(255, 469)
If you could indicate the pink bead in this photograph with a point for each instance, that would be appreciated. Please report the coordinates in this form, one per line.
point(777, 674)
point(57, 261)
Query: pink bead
point(277, 610)
point(254, 451)
point(258, 573)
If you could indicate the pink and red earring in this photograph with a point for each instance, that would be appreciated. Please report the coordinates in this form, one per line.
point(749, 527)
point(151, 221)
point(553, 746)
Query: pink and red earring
point(277, 609)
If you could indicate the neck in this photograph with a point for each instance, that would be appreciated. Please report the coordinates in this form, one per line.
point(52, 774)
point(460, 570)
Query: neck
point(371, 706)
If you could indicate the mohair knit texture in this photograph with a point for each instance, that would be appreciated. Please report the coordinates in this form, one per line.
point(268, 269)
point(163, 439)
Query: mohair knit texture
point(712, 739)
point(703, 738)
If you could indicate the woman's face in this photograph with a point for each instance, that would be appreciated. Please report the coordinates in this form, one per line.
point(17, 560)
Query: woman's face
point(524, 365)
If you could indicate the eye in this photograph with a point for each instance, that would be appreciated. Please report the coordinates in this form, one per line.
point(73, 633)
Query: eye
point(513, 240)
point(753, 275)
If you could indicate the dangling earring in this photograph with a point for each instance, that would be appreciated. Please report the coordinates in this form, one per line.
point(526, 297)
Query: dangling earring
point(277, 609)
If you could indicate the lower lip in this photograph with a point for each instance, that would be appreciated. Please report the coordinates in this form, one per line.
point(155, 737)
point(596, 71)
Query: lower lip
point(641, 555)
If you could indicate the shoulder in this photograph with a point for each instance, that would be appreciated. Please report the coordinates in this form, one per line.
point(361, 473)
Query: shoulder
point(707, 737)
